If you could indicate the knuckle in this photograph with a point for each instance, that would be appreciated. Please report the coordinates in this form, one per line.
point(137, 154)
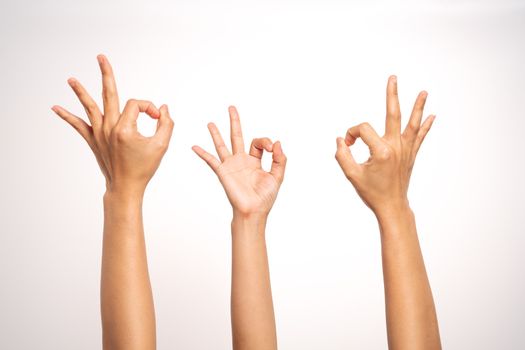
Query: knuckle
point(107, 131)
point(121, 134)
point(161, 144)
point(413, 126)
point(384, 153)
point(340, 157)
point(91, 107)
point(131, 101)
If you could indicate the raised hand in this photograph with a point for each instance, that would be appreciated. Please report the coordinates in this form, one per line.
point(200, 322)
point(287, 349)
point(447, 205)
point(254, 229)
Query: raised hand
point(127, 159)
point(250, 189)
point(382, 181)
point(251, 192)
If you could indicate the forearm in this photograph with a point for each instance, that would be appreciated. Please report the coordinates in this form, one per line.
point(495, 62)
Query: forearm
point(410, 312)
point(253, 321)
point(128, 316)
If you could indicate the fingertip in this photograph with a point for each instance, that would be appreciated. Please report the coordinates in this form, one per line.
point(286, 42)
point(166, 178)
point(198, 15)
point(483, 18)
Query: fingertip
point(211, 125)
point(157, 113)
point(71, 81)
point(55, 108)
point(432, 119)
point(341, 142)
point(101, 58)
point(392, 78)
point(278, 150)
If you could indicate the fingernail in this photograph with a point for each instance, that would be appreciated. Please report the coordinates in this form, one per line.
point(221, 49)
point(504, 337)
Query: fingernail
point(100, 59)
point(71, 81)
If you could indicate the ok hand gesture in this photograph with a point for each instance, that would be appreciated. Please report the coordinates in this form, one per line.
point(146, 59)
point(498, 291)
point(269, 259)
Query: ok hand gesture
point(382, 181)
point(127, 159)
point(250, 189)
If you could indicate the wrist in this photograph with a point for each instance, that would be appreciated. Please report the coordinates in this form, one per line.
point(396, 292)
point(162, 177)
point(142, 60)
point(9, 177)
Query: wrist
point(254, 222)
point(390, 209)
point(395, 222)
point(112, 196)
point(254, 217)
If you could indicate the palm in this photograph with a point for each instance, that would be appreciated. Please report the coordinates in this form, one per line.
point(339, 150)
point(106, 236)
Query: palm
point(247, 185)
point(250, 189)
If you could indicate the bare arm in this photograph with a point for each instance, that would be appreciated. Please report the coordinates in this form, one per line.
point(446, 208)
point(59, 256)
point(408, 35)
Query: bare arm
point(128, 315)
point(128, 160)
point(382, 183)
point(253, 321)
point(410, 312)
point(251, 192)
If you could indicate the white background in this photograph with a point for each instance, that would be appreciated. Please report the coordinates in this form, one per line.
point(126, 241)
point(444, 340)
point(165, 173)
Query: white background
point(298, 71)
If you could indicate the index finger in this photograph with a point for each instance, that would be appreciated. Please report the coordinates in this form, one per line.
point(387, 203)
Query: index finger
point(131, 111)
point(366, 133)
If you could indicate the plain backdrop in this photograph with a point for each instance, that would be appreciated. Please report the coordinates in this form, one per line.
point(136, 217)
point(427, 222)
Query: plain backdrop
point(301, 72)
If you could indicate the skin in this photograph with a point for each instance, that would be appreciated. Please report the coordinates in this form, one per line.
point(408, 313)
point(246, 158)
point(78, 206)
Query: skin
point(251, 192)
point(382, 183)
point(128, 161)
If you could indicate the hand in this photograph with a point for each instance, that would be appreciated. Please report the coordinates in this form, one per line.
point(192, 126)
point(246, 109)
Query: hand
point(127, 159)
point(249, 188)
point(382, 181)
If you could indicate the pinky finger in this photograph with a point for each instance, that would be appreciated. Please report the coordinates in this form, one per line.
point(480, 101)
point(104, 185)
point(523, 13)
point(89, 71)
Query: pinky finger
point(77, 123)
point(423, 131)
point(207, 157)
